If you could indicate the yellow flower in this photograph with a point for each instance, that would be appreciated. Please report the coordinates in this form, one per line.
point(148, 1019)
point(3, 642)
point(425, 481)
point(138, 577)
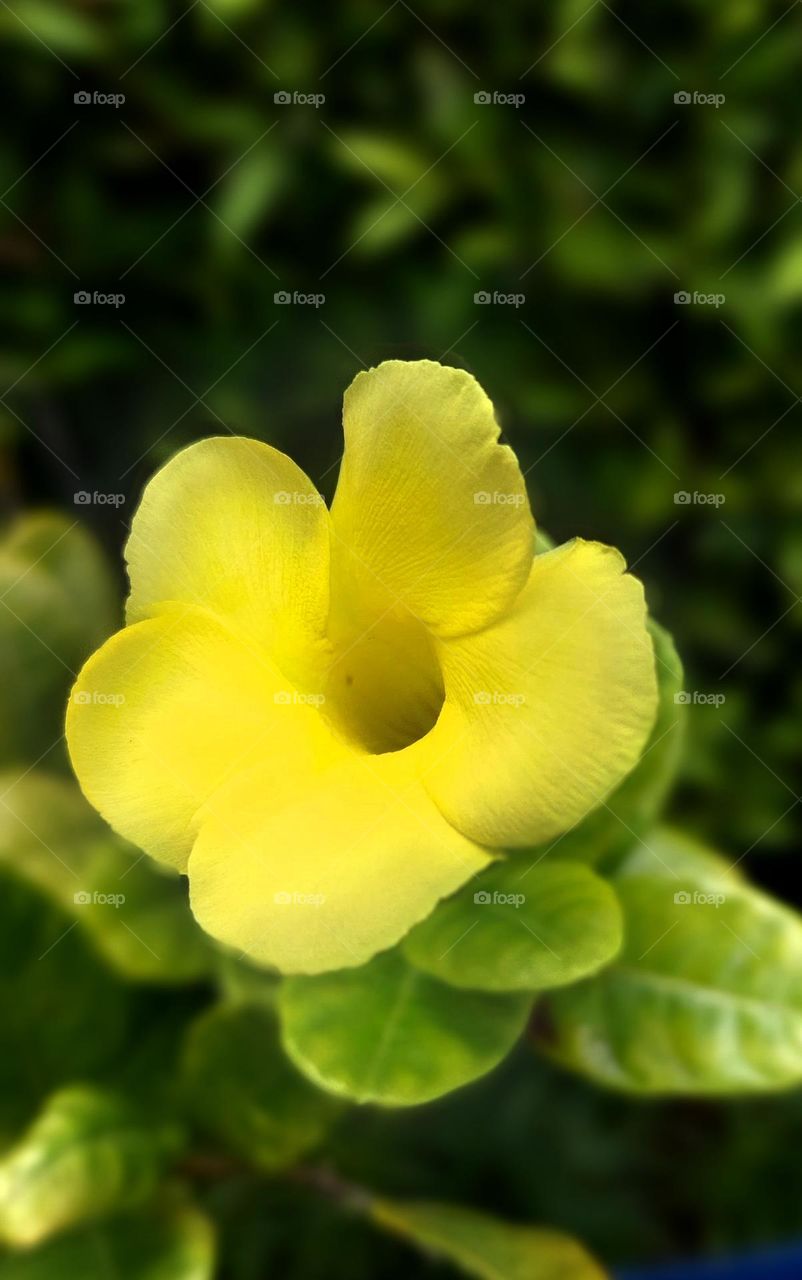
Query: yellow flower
point(330, 720)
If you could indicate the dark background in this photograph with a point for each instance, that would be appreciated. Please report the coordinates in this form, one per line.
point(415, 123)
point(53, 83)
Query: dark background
point(596, 198)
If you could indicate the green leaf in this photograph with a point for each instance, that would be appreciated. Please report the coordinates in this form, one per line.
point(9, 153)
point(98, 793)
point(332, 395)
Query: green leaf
point(241, 1087)
point(64, 1013)
point(484, 1247)
point(68, 553)
point(87, 1154)
point(57, 602)
point(59, 28)
point(520, 927)
point(386, 1033)
point(384, 222)
point(705, 997)
point(377, 156)
point(137, 916)
point(632, 809)
point(39, 643)
point(248, 194)
point(240, 980)
point(168, 1241)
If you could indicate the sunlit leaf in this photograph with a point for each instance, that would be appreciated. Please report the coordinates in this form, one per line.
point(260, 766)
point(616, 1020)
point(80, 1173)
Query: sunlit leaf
point(387, 1033)
point(486, 1247)
point(167, 1241)
point(519, 927)
point(87, 1154)
point(705, 995)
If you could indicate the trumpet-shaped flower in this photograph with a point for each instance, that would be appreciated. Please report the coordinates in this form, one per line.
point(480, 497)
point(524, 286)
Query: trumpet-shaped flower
point(332, 719)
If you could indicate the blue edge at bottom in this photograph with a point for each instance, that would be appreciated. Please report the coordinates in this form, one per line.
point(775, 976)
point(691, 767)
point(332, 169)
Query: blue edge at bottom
point(772, 1264)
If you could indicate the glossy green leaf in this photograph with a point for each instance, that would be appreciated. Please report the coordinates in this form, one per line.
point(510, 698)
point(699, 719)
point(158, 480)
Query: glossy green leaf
point(137, 916)
point(167, 1241)
point(485, 1247)
point(64, 1014)
point(520, 927)
point(632, 809)
point(387, 1033)
point(242, 1088)
point(705, 996)
point(87, 1154)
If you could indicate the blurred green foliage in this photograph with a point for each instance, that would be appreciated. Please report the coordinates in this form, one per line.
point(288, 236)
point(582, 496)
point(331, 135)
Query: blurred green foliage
point(399, 198)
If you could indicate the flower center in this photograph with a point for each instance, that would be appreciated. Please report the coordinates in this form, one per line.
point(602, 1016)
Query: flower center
point(385, 689)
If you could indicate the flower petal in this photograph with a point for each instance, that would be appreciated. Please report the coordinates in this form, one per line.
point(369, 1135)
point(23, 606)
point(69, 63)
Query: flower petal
point(430, 510)
point(335, 866)
point(166, 711)
point(548, 710)
point(234, 526)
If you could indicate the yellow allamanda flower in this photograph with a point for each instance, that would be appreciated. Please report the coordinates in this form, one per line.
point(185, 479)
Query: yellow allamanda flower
point(332, 719)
